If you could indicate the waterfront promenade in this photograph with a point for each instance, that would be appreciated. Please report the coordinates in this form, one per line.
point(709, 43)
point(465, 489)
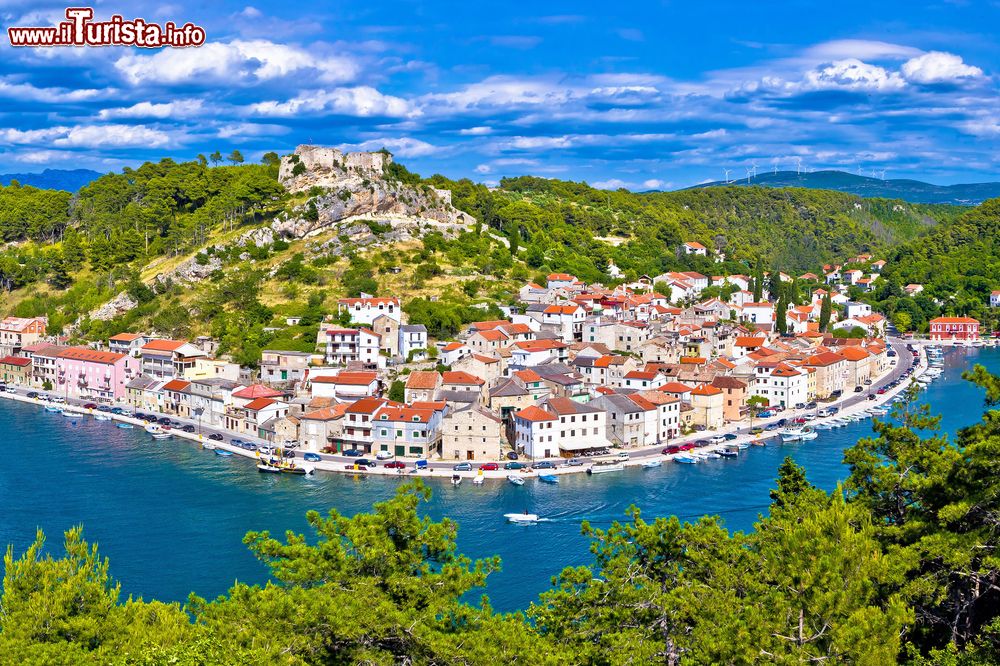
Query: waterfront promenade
point(848, 404)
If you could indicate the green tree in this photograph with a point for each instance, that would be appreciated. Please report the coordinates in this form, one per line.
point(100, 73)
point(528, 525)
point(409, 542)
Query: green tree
point(397, 391)
point(235, 157)
point(215, 158)
point(781, 314)
point(902, 321)
point(825, 312)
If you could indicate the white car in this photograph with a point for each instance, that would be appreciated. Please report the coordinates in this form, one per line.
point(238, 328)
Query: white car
point(718, 439)
point(58, 399)
point(383, 455)
point(11, 389)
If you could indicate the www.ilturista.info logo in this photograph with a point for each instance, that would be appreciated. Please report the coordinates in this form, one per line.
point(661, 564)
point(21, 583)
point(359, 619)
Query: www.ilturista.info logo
point(81, 30)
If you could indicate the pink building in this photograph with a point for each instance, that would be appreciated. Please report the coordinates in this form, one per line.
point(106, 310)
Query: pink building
point(89, 374)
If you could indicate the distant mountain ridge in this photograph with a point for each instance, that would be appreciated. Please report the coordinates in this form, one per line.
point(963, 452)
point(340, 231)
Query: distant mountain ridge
point(914, 191)
point(53, 179)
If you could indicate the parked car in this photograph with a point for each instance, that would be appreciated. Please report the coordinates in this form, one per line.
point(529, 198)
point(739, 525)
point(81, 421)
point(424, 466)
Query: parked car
point(730, 436)
point(859, 389)
point(513, 465)
point(117, 410)
point(800, 405)
point(756, 430)
point(163, 420)
point(462, 467)
point(811, 405)
point(881, 391)
point(265, 450)
point(574, 462)
point(673, 448)
point(512, 455)
point(311, 457)
point(216, 437)
point(686, 446)
point(873, 397)
point(383, 455)
point(702, 442)
point(394, 464)
point(352, 453)
point(32, 395)
point(365, 462)
point(90, 405)
point(489, 467)
point(718, 439)
point(544, 464)
point(58, 399)
point(188, 428)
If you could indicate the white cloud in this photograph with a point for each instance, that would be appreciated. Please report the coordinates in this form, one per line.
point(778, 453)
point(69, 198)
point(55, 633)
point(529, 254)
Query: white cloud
point(611, 184)
point(501, 91)
point(186, 108)
point(361, 101)
point(476, 131)
point(27, 92)
point(484, 168)
point(939, 67)
point(238, 62)
point(401, 147)
point(90, 136)
point(853, 74)
point(863, 49)
point(247, 130)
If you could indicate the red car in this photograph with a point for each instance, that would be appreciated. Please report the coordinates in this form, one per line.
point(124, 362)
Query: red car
point(394, 464)
point(881, 391)
point(90, 405)
point(671, 449)
point(686, 447)
point(489, 467)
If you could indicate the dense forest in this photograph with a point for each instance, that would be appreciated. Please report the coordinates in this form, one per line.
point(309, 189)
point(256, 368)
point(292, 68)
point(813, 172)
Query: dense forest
point(899, 564)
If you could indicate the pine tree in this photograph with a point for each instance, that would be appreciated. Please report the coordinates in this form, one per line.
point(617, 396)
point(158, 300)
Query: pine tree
point(758, 283)
point(780, 320)
point(825, 310)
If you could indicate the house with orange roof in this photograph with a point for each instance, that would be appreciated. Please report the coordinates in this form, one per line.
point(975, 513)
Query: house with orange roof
point(678, 390)
point(449, 352)
point(606, 370)
point(15, 370)
point(858, 366)
point(707, 403)
point(249, 418)
point(644, 380)
point(19, 332)
point(487, 366)
point(780, 383)
point(487, 340)
point(407, 431)
point(365, 310)
point(422, 385)
point(127, 343)
point(164, 359)
point(565, 320)
point(345, 385)
point(830, 372)
point(90, 374)
point(536, 432)
point(558, 280)
point(735, 392)
point(463, 382)
point(662, 413)
point(945, 329)
point(358, 424)
point(694, 247)
point(529, 353)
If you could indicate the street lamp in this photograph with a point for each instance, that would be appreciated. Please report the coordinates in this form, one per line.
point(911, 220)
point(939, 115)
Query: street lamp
point(198, 412)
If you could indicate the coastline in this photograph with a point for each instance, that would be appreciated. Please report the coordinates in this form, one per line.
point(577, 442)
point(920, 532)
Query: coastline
point(848, 405)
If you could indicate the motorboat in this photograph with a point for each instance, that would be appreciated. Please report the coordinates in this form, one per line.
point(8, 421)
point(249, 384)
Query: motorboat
point(124, 426)
point(879, 411)
point(267, 468)
point(69, 414)
point(791, 434)
point(521, 518)
point(602, 467)
point(686, 460)
point(53, 409)
point(456, 480)
point(549, 478)
point(101, 417)
point(223, 452)
point(292, 469)
point(209, 446)
point(809, 434)
point(515, 479)
point(742, 446)
point(652, 464)
point(478, 480)
point(729, 452)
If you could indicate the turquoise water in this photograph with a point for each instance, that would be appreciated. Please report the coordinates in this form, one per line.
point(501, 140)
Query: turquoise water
point(171, 517)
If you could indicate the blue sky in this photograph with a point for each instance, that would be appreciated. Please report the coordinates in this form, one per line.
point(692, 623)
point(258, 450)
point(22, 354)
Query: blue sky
point(644, 95)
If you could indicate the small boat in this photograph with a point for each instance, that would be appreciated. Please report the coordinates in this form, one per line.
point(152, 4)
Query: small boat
point(208, 446)
point(823, 426)
point(686, 460)
point(521, 518)
point(601, 468)
point(267, 468)
point(124, 426)
point(729, 452)
point(808, 434)
point(548, 478)
point(742, 446)
point(791, 434)
point(456, 480)
point(101, 417)
point(69, 414)
point(292, 469)
point(516, 480)
point(52, 409)
point(478, 480)
point(223, 452)
point(652, 464)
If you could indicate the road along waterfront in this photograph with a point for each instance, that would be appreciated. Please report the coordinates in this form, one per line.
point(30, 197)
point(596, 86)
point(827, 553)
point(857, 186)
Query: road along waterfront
point(171, 516)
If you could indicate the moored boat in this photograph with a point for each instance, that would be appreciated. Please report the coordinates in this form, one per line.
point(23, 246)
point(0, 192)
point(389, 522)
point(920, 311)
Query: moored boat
point(686, 460)
point(791, 434)
point(52, 409)
point(208, 446)
point(602, 467)
point(124, 426)
point(292, 469)
point(268, 468)
point(223, 452)
point(516, 480)
point(548, 478)
point(101, 417)
point(652, 464)
point(456, 480)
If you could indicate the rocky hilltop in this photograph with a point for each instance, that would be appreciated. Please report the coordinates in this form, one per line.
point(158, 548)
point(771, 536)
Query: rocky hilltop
point(357, 186)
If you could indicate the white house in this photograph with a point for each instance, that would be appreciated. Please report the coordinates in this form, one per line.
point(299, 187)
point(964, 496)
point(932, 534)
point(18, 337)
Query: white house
point(855, 309)
point(365, 310)
point(694, 247)
point(781, 384)
point(758, 313)
point(412, 337)
point(345, 386)
point(344, 345)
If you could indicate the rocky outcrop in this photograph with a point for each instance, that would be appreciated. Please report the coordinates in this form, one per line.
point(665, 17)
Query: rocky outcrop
point(116, 307)
point(355, 185)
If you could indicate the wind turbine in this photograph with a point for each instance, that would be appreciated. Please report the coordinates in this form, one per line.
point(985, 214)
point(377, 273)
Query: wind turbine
point(883, 174)
point(775, 163)
point(748, 175)
point(754, 165)
point(859, 169)
point(798, 166)
point(727, 172)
